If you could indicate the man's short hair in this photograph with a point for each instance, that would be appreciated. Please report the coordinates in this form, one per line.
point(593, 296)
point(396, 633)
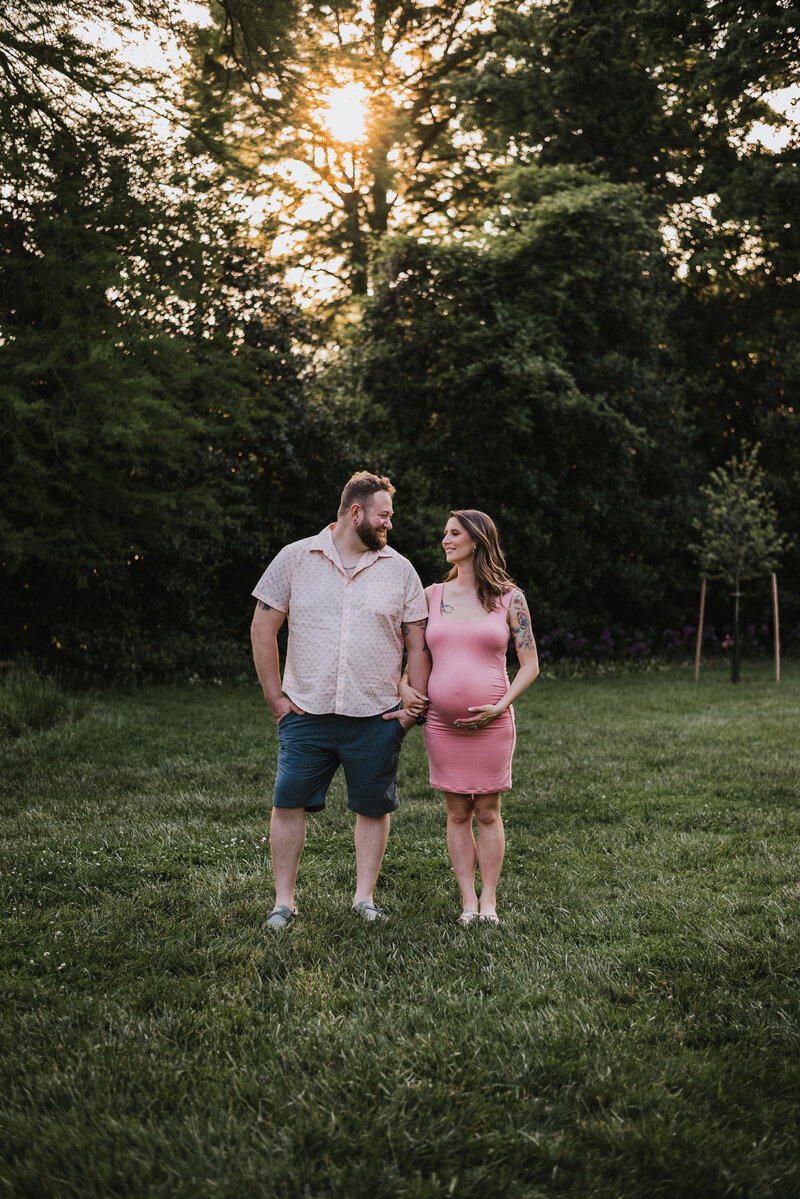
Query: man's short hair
point(361, 487)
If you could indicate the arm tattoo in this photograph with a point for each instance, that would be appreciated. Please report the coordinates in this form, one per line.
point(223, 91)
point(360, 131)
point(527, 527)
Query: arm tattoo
point(264, 607)
point(406, 627)
point(521, 629)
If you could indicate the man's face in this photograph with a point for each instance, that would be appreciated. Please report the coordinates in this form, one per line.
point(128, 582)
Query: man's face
point(374, 520)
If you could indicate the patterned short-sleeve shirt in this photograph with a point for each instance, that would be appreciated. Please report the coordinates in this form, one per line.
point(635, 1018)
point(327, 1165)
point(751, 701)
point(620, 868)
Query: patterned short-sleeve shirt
point(345, 647)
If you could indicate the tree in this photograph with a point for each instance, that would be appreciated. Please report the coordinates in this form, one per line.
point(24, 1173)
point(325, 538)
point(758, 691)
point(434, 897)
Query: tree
point(159, 440)
point(738, 534)
point(266, 75)
point(152, 401)
point(85, 369)
point(739, 318)
point(675, 98)
point(649, 92)
point(59, 60)
point(527, 372)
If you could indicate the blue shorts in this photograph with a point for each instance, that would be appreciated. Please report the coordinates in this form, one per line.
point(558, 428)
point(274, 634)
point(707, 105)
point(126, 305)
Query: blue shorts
point(310, 749)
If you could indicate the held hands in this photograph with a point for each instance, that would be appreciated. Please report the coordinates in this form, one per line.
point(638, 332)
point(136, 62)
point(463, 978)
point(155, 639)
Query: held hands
point(414, 705)
point(413, 701)
point(482, 716)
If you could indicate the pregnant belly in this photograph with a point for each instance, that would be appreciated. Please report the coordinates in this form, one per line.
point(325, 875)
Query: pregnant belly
point(451, 694)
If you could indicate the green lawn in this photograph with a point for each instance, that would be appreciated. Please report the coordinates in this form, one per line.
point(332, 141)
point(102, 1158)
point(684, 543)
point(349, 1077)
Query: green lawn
point(630, 1030)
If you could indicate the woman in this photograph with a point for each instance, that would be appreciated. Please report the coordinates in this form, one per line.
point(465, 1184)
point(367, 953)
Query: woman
point(469, 729)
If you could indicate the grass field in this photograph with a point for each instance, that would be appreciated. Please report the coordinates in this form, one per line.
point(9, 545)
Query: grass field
point(630, 1030)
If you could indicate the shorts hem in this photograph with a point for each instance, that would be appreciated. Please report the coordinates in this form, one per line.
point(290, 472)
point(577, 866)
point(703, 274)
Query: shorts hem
point(291, 807)
point(387, 811)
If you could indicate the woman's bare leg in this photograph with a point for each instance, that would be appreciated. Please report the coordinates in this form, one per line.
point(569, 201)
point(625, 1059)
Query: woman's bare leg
point(461, 846)
point(491, 849)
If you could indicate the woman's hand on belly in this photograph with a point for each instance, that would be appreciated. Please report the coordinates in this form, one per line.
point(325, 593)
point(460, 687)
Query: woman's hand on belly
point(481, 716)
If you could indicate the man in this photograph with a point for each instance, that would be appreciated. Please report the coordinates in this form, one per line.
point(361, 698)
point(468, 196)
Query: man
point(352, 604)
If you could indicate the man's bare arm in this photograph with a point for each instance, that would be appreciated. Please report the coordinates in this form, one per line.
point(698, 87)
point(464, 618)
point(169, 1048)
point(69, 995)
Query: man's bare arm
point(264, 639)
point(419, 656)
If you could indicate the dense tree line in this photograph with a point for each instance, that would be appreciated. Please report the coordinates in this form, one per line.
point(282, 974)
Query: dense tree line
point(531, 374)
point(563, 288)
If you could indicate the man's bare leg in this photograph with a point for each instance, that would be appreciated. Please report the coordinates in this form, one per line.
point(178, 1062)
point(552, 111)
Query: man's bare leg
point(372, 833)
point(287, 836)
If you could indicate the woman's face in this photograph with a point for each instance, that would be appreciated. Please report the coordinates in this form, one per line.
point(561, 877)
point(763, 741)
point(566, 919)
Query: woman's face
point(456, 543)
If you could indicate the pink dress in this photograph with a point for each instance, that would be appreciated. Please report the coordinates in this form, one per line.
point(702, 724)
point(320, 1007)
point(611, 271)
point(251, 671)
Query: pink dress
point(469, 668)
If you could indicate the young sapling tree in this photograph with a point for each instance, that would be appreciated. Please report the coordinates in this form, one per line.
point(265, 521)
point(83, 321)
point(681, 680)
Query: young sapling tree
point(738, 536)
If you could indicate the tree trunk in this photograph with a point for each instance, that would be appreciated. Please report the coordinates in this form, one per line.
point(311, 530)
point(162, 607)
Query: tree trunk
point(381, 180)
point(357, 242)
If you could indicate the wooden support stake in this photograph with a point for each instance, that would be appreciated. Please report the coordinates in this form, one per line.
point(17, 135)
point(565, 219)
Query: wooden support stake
point(777, 627)
point(700, 631)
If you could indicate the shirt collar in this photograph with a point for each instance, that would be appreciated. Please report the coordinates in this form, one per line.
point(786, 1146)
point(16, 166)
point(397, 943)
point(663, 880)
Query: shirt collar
point(324, 543)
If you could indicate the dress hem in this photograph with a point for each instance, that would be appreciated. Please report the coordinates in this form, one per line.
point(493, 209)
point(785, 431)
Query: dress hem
point(472, 790)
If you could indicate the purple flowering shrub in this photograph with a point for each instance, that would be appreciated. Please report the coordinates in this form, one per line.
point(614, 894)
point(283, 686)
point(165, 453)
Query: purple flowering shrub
point(620, 645)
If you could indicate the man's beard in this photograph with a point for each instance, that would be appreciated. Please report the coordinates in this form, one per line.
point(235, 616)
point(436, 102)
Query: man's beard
point(372, 538)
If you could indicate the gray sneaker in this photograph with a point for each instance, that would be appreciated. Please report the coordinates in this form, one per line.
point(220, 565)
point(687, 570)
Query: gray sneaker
point(368, 910)
point(280, 917)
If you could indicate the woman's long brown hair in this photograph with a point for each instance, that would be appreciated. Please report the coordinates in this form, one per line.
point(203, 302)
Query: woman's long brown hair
point(489, 564)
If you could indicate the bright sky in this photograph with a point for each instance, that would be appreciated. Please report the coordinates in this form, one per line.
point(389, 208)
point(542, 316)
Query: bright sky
point(787, 102)
point(161, 51)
